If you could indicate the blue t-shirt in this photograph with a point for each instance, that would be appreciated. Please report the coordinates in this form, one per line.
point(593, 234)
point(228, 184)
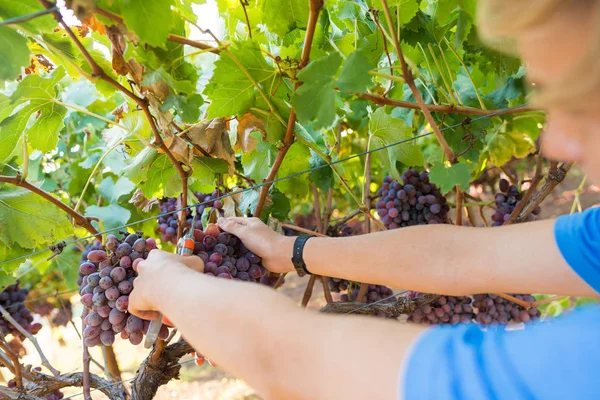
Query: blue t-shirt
point(551, 360)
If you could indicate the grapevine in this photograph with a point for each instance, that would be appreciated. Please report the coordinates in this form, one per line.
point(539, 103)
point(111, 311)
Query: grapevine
point(507, 200)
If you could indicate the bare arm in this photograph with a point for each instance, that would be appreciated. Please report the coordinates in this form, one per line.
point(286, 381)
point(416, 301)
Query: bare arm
point(444, 259)
point(257, 334)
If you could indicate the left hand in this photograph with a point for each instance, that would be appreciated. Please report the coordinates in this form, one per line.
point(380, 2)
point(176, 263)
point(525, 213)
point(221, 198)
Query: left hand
point(149, 287)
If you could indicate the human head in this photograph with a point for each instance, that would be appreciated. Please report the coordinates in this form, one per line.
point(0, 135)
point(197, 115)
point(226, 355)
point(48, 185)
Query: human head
point(559, 42)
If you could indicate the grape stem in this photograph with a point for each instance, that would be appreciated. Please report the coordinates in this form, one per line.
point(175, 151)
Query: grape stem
point(308, 291)
point(303, 230)
point(534, 183)
point(77, 217)
point(16, 370)
point(321, 229)
point(6, 315)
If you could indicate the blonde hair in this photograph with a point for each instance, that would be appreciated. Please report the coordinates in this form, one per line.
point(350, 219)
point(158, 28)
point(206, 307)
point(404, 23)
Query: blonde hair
point(501, 22)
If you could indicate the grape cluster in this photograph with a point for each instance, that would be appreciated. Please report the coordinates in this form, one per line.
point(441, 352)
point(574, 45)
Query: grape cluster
point(506, 201)
point(445, 310)
point(415, 201)
point(107, 279)
point(225, 256)
point(58, 315)
point(12, 299)
point(56, 395)
point(492, 309)
point(168, 224)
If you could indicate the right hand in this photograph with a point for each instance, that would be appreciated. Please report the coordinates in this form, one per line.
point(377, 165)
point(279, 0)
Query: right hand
point(274, 249)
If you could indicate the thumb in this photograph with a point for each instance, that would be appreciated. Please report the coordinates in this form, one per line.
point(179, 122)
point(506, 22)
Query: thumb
point(231, 225)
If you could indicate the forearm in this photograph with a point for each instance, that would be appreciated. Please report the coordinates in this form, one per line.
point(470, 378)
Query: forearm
point(451, 260)
point(282, 350)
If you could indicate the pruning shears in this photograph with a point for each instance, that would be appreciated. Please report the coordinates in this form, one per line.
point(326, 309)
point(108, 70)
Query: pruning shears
point(185, 247)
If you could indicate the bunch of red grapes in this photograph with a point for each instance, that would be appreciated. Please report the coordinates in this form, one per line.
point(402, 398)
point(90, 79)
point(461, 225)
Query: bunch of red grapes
point(168, 224)
point(225, 256)
point(443, 311)
point(414, 201)
point(107, 278)
point(12, 299)
point(506, 201)
point(492, 309)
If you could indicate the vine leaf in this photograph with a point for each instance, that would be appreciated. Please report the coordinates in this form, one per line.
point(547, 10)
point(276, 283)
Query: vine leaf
point(149, 19)
point(212, 136)
point(231, 91)
point(113, 191)
point(140, 201)
point(447, 178)
point(112, 216)
point(385, 130)
point(296, 160)
point(506, 143)
point(247, 125)
point(283, 16)
point(30, 220)
point(49, 116)
point(315, 99)
point(15, 53)
point(354, 76)
point(258, 162)
point(180, 149)
point(12, 9)
point(205, 170)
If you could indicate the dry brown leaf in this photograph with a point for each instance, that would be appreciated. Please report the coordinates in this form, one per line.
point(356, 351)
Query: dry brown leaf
point(249, 123)
point(164, 118)
point(180, 149)
point(95, 25)
point(231, 204)
point(212, 136)
point(136, 71)
point(81, 8)
point(118, 112)
point(140, 201)
point(118, 48)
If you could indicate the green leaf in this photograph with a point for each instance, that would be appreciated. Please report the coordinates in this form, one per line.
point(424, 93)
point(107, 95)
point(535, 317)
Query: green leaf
point(188, 108)
point(230, 90)
point(296, 160)
point(43, 134)
point(283, 16)
point(354, 76)
point(408, 9)
point(280, 205)
point(162, 179)
point(315, 99)
point(258, 161)
point(13, 9)
point(149, 19)
point(503, 145)
point(205, 172)
point(140, 165)
point(112, 216)
point(385, 130)
point(30, 220)
point(447, 178)
point(113, 191)
point(15, 53)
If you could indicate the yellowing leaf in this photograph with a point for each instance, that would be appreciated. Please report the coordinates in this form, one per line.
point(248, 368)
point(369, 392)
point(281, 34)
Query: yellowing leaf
point(248, 123)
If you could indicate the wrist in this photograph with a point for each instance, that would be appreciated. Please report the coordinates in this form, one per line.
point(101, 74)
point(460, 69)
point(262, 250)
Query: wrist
point(283, 251)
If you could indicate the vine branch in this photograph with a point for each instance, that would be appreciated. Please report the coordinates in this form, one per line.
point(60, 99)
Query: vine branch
point(78, 218)
point(315, 8)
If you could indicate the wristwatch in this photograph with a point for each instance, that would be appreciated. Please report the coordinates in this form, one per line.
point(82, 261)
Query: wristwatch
point(297, 258)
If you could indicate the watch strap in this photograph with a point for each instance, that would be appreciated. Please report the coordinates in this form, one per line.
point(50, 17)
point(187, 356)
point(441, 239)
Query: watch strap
point(297, 256)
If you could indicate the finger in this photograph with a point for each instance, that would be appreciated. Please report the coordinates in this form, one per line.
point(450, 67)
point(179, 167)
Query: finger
point(231, 226)
point(193, 262)
point(145, 314)
point(167, 322)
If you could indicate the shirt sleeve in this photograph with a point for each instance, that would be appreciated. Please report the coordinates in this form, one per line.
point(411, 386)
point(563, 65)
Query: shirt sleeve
point(578, 239)
point(550, 360)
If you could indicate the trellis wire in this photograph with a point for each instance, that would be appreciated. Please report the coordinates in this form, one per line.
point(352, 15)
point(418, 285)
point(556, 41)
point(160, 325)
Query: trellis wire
point(341, 160)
